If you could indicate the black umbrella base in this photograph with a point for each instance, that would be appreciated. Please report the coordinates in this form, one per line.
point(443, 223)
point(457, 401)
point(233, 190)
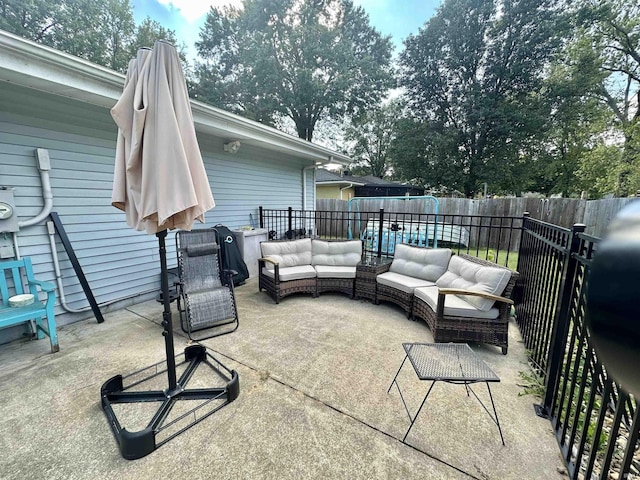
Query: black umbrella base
point(131, 399)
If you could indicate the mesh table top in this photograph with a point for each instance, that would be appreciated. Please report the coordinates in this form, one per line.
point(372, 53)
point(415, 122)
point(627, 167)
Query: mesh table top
point(448, 362)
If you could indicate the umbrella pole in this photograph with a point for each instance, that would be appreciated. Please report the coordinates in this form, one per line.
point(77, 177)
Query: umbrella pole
point(167, 322)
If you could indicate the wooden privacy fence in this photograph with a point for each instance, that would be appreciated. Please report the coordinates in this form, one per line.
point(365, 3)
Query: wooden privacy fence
point(564, 212)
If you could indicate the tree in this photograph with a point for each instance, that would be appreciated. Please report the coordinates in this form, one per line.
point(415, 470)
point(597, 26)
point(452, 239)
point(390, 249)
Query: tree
point(605, 59)
point(146, 34)
point(101, 32)
point(473, 77)
point(371, 136)
point(306, 60)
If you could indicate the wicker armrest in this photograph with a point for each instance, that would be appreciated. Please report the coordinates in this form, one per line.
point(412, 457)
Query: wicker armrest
point(460, 291)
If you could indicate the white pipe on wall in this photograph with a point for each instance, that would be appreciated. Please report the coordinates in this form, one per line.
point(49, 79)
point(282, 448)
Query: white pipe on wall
point(44, 165)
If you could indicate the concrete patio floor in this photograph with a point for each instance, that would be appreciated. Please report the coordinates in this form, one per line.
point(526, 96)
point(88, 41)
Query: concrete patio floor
point(313, 401)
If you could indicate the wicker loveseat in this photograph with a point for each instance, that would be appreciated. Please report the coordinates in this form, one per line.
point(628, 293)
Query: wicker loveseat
point(308, 266)
point(470, 302)
point(461, 297)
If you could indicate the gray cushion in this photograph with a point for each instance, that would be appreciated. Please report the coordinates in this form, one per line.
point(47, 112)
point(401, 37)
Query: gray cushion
point(346, 254)
point(424, 263)
point(478, 278)
point(288, 254)
point(328, 271)
point(292, 273)
point(453, 304)
point(402, 282)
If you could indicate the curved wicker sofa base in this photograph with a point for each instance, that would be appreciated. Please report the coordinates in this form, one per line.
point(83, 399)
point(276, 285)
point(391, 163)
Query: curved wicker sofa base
point(342, 285)
point(393, 295)
point(465, 329)
point(284, 289)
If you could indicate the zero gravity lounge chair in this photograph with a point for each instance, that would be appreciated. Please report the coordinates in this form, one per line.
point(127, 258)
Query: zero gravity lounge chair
point(206, 301)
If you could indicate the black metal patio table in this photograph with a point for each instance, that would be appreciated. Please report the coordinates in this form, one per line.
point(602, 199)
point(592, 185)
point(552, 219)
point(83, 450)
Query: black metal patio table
point(452, 363)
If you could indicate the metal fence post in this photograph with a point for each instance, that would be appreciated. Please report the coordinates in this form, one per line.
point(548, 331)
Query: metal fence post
point(261, 216)
point(557, 346)
point(380, 223)
point(290, 213)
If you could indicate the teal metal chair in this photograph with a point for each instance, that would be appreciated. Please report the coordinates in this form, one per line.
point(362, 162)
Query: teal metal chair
point(12, 273)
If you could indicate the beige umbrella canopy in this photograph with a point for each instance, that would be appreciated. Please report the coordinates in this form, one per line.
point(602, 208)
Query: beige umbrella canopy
point(159, 179)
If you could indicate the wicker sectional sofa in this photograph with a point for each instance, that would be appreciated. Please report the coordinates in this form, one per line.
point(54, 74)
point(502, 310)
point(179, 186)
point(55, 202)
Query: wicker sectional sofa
point(462, 298)
point(308, 266)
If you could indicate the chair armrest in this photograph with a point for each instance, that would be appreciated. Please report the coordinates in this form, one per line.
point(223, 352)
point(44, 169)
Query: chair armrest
point(460, 291)
point(269, 260)
point(276, 268)
point(44, 286)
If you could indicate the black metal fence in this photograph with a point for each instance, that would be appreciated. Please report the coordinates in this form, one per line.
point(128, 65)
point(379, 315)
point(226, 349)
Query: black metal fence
point(595, 421)
point(495, 238)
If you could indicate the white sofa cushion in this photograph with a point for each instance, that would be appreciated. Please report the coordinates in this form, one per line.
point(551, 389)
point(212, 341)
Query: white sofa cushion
point(344, 254)
point(330, 271)
point(292, 253)
point(468, 275)
point(401, 282)
point(423, 263)
point(292, 273)
point(453, 304)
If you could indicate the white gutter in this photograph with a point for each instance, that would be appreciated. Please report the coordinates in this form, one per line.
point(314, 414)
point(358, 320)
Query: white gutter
point(35, 66)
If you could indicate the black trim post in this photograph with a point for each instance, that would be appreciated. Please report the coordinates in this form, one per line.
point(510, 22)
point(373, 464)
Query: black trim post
point(261, 214)
point(290, 219)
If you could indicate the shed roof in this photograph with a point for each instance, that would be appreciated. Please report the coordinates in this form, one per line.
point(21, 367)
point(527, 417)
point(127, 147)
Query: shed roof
point(31, 65)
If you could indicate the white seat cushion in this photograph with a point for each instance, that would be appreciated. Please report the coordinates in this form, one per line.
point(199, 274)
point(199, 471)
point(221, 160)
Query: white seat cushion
point(292, 273)
point(402, 282)
point(327, 271)
point(424, 263)
point(453, 305)
point(468, 275)
point(344, 254)
point(288, 254)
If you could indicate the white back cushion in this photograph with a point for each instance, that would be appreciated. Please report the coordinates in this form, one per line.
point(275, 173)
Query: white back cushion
point(478, 278)
point(424, 263)
point(288, 254)
point(343, 254)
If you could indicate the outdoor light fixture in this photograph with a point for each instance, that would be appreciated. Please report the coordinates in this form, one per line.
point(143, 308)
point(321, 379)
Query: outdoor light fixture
point(232, 147)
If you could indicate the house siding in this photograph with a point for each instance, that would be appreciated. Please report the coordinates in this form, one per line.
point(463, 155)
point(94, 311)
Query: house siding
point(117, 261)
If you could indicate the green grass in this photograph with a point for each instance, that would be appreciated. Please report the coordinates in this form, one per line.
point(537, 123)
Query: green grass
point(495, 256)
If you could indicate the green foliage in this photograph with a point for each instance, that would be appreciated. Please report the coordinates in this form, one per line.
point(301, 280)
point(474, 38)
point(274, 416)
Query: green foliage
point(474, 76)
point(371, 135)
point(299, 59)
point(102, 32)
point(532, 383)
point(603, 59)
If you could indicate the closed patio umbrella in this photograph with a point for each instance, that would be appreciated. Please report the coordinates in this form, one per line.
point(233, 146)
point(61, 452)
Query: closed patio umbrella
point(160, 183)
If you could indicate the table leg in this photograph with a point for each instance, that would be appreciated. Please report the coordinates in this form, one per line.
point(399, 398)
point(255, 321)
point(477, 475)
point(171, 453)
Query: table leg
point(495, 413)
point(397, 373)
point(418, 412)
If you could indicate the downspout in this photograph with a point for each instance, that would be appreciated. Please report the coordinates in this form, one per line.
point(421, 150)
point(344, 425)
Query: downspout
point(344, 188)
point(304, 186)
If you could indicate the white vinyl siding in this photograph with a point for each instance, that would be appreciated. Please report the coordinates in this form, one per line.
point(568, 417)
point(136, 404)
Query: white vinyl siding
point(117, 261)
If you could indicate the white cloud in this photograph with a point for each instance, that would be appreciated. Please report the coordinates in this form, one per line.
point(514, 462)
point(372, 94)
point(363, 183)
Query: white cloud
point(192, 10)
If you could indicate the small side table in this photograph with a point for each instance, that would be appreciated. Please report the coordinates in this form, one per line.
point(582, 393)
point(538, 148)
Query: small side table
point(447, 362)
point(366, 273)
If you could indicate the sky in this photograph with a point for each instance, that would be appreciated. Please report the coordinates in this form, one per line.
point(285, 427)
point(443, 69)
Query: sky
point(397, 18)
